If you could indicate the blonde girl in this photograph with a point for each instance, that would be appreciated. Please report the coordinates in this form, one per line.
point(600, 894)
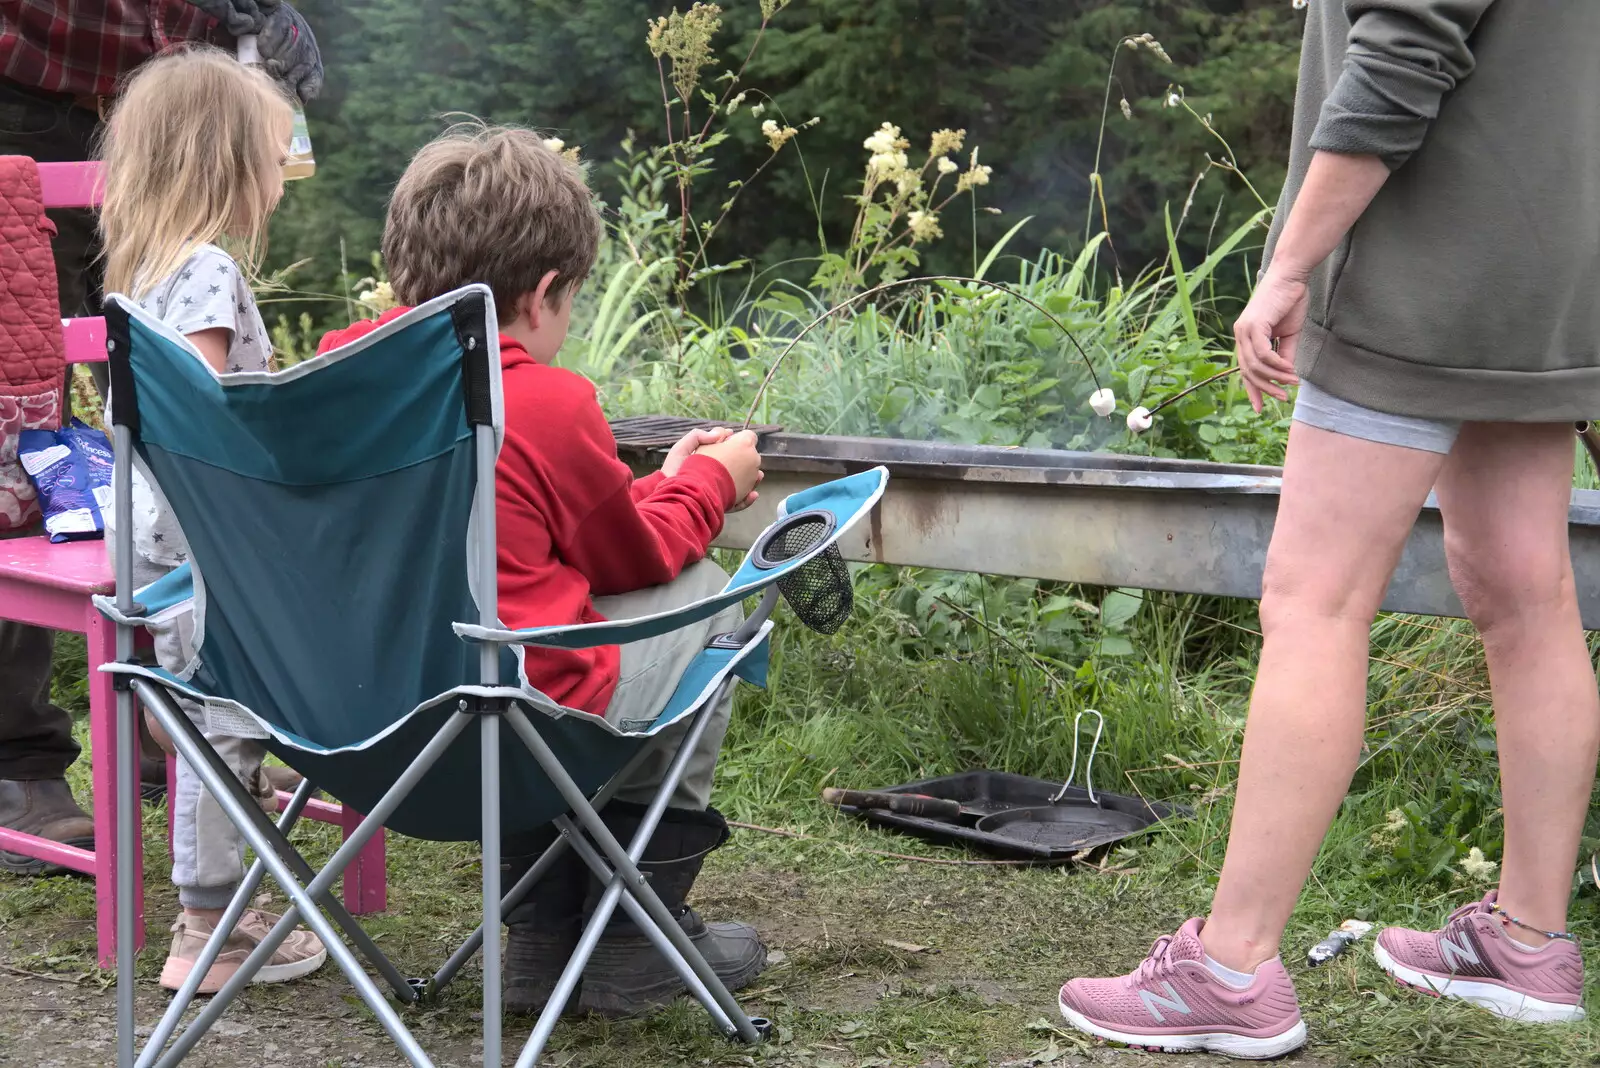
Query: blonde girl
point(194, 155)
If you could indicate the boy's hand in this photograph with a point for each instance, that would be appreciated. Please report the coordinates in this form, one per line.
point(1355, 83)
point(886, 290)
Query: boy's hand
point(737, 452)
point(688, 444)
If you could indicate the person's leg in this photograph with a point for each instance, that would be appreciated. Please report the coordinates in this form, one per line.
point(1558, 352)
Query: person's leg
point(649, 673)
point(1346, 509)
point(207, 865)
point(1349, 498)
point(626, 975)
point(1504, 495)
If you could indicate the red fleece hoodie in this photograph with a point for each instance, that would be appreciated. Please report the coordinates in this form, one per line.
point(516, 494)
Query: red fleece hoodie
point(572, 521)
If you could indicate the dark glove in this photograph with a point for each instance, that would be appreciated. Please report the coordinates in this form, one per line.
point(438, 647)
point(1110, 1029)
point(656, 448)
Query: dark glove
point(289, 50)
point(238, 17)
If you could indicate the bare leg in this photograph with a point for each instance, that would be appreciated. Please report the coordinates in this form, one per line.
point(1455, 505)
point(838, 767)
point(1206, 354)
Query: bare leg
point(1346, 510)
point(1504, 494)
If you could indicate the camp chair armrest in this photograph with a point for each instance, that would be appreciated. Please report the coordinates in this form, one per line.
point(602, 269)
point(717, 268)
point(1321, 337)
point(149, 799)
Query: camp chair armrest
point(170, 592)
point(844, 501)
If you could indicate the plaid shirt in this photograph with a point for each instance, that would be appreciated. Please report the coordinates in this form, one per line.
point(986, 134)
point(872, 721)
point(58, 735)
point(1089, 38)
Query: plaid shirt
point(81, 47)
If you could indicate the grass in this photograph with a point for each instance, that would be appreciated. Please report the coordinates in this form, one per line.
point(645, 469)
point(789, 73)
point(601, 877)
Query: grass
point(855, 710)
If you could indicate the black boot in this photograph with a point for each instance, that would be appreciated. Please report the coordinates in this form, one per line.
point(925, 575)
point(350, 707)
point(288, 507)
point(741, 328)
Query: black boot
point(543, 927)
point(42, 807)
point(626, 975)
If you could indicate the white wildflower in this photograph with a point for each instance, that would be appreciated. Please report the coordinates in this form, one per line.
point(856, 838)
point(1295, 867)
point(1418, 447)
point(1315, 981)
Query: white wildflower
point(924, 225)
point(887, 165)
point(1298, 5)
point(945, 141)
point(1173, 100)
point(1127, 108)
point(976, 174)
point(734, 104)
point(885, 140)
point(756, 110)
point(379, 298)
point(554, 144)
point(1103, 402)
point(777, 136)
point(1140, 420)
point(948, 165)
point(1478, 867)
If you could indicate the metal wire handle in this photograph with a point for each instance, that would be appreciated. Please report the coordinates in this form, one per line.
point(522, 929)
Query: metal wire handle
point(1088, 765)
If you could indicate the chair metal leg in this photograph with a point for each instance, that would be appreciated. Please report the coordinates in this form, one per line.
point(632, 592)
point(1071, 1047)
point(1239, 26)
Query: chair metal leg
point(105, 761)
point(239, 808)
point(513, 897)
point(126, 779)
point(638, 887)
point(491, 889)
point(219, 938)
point(126, 762)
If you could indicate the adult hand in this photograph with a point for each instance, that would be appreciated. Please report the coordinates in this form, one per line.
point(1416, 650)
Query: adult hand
point(738, 454)
point(689, 444)
point(289, 50)
point(238, 17)
point(1276, 313)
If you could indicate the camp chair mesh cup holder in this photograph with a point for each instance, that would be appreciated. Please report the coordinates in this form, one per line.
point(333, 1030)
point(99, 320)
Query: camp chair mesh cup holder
point(818, 592)
point(298, 489)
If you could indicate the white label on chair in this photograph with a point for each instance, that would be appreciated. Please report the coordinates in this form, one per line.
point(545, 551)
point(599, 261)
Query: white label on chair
point(225, 719)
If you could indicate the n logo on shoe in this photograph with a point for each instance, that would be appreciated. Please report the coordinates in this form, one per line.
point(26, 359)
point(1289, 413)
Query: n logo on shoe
point(1173, 1002)
point(1456, 954)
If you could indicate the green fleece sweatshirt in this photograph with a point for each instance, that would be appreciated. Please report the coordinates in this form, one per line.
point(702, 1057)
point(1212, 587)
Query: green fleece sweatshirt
point(1470, 287)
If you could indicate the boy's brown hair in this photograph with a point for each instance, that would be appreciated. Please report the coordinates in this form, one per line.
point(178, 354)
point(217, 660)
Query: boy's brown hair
point(490, 204)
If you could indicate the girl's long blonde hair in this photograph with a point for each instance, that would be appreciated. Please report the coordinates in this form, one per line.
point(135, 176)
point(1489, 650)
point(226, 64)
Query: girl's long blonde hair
point(192, 153)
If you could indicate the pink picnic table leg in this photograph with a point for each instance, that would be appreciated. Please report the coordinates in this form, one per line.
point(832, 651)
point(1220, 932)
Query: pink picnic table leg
point(366, 886)
point(101, 636)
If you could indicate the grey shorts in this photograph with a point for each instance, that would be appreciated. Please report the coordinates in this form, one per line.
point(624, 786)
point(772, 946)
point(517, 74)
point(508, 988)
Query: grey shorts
point(1315, 408)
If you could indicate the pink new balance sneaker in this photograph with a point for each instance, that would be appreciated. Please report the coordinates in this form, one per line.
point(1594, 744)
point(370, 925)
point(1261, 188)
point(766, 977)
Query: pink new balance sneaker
point(1172, 1003)
point(1474, 959)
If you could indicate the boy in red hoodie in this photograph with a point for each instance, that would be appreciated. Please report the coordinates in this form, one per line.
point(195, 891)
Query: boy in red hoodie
point(580, 539)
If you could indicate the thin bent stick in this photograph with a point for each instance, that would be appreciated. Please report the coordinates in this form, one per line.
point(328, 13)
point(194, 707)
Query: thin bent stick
point(772, 371)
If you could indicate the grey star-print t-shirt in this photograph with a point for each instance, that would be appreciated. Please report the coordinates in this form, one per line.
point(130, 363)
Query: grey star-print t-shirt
point(208, 292)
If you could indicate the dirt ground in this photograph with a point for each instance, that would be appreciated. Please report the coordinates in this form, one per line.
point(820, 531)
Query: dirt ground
point(855, 982)
point(52, 1024)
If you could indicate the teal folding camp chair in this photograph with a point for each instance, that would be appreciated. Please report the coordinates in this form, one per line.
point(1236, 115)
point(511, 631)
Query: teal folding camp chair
point(340, 518)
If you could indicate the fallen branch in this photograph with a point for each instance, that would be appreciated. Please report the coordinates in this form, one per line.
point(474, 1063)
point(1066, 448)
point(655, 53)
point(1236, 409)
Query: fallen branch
point(76, 980)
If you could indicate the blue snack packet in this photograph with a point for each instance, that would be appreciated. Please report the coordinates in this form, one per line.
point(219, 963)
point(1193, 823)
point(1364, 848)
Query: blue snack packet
point(71, 468)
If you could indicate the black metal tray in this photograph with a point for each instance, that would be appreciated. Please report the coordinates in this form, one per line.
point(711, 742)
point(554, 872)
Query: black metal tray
point(985, 793)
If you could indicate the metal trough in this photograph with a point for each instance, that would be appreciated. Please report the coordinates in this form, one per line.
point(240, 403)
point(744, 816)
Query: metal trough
point(1099, 519)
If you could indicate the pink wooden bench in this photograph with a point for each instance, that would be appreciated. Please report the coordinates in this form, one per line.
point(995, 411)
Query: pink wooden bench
point(50, 586)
